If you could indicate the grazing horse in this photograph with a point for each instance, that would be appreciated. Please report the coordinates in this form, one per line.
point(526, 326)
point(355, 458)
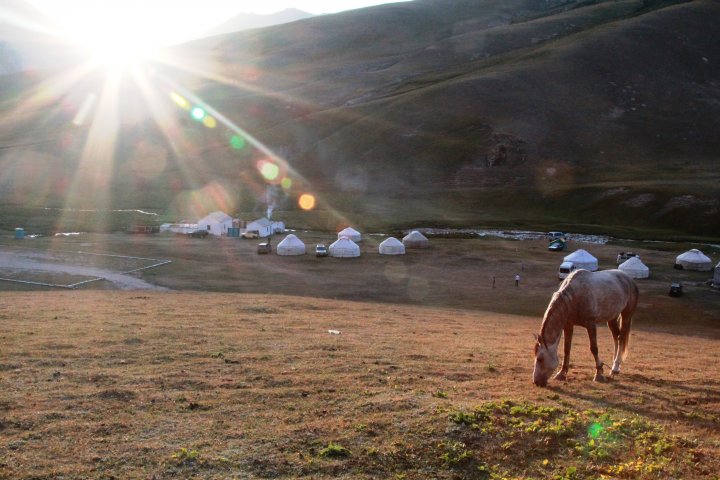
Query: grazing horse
point(586, 299)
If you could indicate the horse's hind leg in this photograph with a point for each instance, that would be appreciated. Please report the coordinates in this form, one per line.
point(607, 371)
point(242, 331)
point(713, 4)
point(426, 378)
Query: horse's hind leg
point(592, 333)
point(567, 336)
point(615, 329)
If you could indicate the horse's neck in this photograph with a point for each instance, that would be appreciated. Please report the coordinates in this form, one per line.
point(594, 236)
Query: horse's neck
point(557, 315)
point(552, 328)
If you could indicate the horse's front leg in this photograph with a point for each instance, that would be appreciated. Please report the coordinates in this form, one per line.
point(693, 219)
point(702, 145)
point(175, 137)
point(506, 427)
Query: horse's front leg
point(567, 334)
point(592, 333)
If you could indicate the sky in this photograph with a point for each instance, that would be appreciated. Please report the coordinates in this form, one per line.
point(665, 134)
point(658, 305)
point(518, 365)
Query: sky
point(155, 23)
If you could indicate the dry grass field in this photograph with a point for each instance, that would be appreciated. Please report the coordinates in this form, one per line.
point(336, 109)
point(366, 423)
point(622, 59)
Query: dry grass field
point(430, 376)
point(212, 385)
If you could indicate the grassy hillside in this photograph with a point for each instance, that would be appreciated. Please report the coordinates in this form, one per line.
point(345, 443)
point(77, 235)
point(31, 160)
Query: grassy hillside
point(144, 385)
point(429, 112)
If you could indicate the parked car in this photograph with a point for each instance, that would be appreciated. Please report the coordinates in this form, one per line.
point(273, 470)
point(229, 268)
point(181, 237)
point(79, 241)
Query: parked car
point(264, 247)
point(199, 234)
point(566, 268)
point(321, 250)
point(554, 235)
point(622, 256)
point(675, 290)
point(250, 234)
point(557, 245)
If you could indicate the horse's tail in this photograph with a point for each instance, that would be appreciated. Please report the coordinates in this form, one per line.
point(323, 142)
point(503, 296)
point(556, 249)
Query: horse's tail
point(626, 322)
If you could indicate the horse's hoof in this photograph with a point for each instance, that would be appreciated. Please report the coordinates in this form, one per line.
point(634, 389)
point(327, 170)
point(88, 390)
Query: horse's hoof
point(561, 377)
point(614, 374)
point(599, 378)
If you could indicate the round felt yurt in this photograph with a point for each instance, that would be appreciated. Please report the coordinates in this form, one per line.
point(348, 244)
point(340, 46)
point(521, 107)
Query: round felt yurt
point(351, 234)
point(415, 239)
point(391, 246)
point(693, 259)
point(344, 248)
point(291, 245)
point(634, 267)
point(582, 259)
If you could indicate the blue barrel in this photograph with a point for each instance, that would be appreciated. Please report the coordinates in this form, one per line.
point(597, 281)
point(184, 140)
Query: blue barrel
point(19, 233)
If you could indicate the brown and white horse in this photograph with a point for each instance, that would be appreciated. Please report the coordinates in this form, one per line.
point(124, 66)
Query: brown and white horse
point(586, 299)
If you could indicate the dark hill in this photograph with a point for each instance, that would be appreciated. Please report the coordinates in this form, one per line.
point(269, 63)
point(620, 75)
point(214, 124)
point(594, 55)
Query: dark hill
point(575, 115)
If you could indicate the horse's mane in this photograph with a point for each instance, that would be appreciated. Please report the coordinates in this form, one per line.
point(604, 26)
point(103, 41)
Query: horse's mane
point(557, 311)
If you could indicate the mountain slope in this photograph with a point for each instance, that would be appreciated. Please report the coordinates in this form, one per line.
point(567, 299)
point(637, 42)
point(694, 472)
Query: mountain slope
point(581, 115)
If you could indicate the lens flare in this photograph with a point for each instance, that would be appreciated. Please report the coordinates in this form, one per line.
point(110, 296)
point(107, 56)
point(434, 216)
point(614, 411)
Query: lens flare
point(306, 201)
point(209, 121)
point(595, 430)
point(180, 100)
point(268, 170)
point(286, 183)
point(237, 142)
point(197, 113)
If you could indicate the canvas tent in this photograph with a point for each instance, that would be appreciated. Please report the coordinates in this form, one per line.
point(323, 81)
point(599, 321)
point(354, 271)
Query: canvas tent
point(351, 234)
point(582, 259)
point(415, 239)
point(216, 223)
point(392, 246)
point(291, 245)
point(634, 267)
point(344, 248)
point(693, 260)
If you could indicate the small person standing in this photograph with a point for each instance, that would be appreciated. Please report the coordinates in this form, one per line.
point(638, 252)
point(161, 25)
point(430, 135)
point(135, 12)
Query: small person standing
point(517, 280)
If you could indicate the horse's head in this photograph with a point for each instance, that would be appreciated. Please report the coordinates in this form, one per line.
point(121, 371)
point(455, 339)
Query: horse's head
point(546, 361)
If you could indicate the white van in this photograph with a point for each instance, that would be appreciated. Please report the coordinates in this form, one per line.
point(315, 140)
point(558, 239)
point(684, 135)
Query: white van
point(566, 268)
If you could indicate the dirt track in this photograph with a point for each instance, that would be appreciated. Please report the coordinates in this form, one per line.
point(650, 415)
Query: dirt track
point(12, 261)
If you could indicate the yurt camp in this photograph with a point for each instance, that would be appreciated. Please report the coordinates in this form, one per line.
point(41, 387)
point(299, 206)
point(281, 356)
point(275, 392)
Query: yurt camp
point(291, 245)
point(415, 239)
point(582, 259)
point(693, 259)
point(391, 246)
point(351, 234)
point(634, 267)
point(344, 248)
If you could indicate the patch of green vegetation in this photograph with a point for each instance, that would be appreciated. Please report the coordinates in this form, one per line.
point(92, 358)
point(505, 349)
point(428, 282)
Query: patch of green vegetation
point(563, 443)
point(455, 454)
point(440, 394)
point(185, 457)
point(334, 450)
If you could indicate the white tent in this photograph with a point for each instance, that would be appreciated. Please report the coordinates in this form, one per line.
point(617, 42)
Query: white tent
point(582, 259)
point(634, 267)
point(415, 239)
point(351, 234)
point(693, 260)
point(291, 245)
point(216, 223)
point(344, 248)
point(392, 246)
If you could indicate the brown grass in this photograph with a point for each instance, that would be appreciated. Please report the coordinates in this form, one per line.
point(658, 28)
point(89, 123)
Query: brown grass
point(203, 385)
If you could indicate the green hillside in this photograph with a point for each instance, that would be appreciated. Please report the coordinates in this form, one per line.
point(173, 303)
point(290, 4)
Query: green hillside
point(586, 116)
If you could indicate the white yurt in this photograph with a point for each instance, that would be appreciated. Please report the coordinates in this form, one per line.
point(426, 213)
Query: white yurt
point(634, 267)
point(351, 234)
point(391, 246)
point(582, 259)
point(694, 260)
point(291, 245)
point(415, 239)
point(344, 248)
point(716, 276)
